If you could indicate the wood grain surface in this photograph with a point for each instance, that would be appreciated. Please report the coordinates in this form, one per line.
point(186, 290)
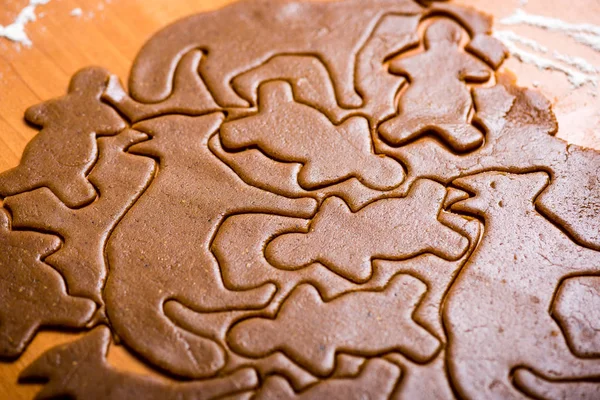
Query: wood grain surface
point(110, 32)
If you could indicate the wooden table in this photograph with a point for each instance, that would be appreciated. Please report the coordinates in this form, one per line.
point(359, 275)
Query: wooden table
point(109, 34)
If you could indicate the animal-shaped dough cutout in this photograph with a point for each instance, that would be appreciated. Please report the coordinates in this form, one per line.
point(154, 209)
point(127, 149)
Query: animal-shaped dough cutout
point(437, 98)
point(512, 278)
point(313, 342)
point(394, 228)
point(293, 132)
point(296, 200)
point(92, 377)
point(185, 213)
point(62, 153)
point(32, 294)
point(120, 179)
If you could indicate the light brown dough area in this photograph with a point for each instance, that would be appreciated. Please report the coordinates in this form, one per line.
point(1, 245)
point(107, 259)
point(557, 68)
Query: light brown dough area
point(437, 99)
point(386, 223)
point(60, 156)
point(304, 199)
point(513, 290)
point(119, 178)
point(575, 307)
point(329, 154)
point(29, 284)
point(354, 315)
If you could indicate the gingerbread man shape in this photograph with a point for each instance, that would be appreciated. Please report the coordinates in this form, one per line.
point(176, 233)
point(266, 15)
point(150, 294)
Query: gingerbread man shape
point(63, 152)
point(437, 98)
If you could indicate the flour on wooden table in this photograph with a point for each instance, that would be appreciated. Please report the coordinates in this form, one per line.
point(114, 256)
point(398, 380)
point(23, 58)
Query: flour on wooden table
point(16, 30)
point(579, 71)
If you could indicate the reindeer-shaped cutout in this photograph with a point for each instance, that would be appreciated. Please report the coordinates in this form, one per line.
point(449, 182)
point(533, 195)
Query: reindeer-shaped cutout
point(191, 194)
point(497, 313)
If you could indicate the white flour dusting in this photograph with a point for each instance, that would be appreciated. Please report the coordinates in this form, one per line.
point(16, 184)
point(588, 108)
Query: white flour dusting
point(16, 30)
point(588, 39)
point(586, 34)
point(553, 24)
point(515, 38)
point(575, 77)
point(76, 12)
point(578, 71)
point(580, 63)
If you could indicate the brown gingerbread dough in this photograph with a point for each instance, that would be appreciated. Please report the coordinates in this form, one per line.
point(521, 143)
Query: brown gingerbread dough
point(437, 99)
point(84, 360)
point(311, 28)
point(386, 220)
point(64, 151)
point(299, 133)
point(119, 178)
point(345, 322)
point(576, 308)
point(32, 293)
point(511, 314)
point(319, 201)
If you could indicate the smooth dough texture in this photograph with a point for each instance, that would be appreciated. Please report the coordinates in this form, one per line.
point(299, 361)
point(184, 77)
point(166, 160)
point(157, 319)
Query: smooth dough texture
point(331, 200)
